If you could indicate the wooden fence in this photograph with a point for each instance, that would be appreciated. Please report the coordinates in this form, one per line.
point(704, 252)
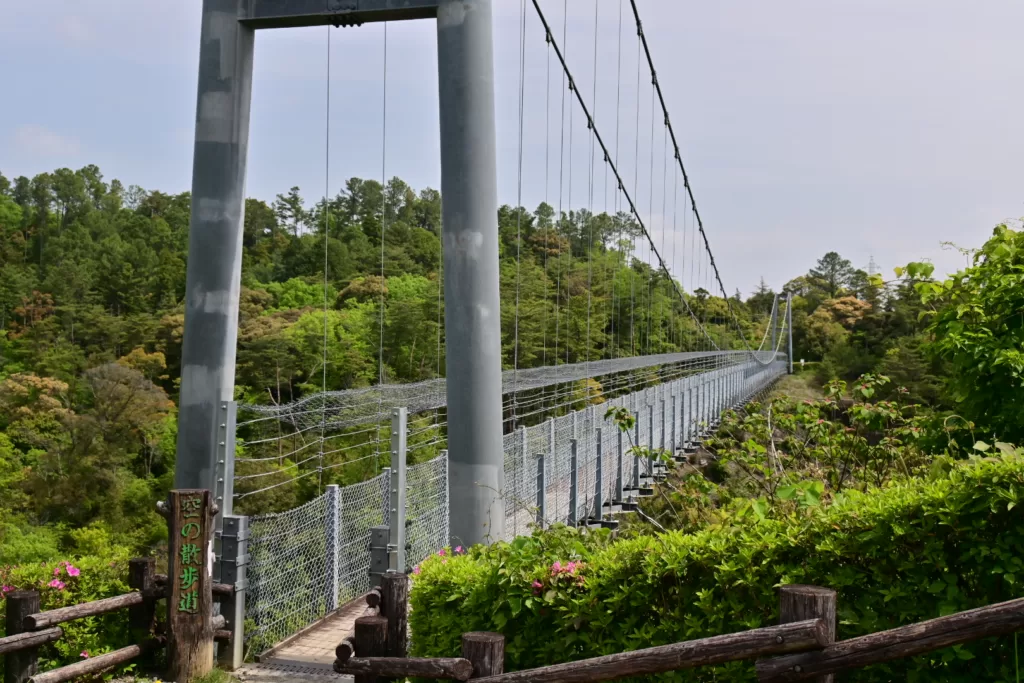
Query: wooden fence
point(802, 647)
point(191, 626)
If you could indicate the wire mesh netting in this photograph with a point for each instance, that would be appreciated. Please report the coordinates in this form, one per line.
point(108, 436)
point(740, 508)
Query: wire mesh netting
point(300, 570)
point(426, 511)
point(287, 573)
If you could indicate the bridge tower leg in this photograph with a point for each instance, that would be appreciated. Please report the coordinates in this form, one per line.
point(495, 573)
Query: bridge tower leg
point(469, 180)
point(789, 328)
point(213, 280)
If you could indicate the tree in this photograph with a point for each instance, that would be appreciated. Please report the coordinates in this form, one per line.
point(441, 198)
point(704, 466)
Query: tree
point(977, 330)
point(832, 274)
point(290, 211)
point(762, 300)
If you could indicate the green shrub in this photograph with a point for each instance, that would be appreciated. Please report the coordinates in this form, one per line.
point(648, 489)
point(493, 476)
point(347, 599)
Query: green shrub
point(72, 582)
point(911, 551)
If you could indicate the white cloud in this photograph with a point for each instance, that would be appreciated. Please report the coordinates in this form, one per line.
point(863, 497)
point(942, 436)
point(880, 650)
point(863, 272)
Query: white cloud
point(35, 140)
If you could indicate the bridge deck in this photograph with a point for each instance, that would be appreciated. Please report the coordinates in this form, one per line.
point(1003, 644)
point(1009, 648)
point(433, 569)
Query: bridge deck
point(311, 653)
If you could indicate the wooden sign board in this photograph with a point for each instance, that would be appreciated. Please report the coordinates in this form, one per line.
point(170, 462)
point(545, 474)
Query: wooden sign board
point(189, 605)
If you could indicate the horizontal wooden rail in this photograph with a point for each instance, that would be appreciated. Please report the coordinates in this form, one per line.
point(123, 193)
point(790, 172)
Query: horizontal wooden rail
point(217, 588)
point(389, 667)
point(40, 620)
point(29, 639)
point(92, 665)
point(905, 641)
point(800, 635)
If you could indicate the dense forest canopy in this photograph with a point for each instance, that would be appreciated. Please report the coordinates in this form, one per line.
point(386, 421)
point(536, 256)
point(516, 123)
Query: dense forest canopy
point(92, 279)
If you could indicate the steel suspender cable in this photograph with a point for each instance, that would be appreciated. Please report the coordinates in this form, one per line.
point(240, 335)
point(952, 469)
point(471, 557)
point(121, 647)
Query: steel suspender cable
point(711, 258)
point(604, 148)
point(327, 224)
point(519, 195)
point(383, 216)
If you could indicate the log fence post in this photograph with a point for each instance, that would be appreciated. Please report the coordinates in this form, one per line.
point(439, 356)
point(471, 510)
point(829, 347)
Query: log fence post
point(20, 666)
point(395, 598)
point(371, 640)
point(142, 618)
point(486, 651)
point(798, 603)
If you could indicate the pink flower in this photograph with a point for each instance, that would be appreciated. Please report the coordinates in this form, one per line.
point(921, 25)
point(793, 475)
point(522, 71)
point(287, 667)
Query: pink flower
point(56, 571)
point(571, 567)
point(416, 569)
point(441, 552)
point(56, 583)
point(73, 571)
point(84, 654)
point(458, 548)
point(556, 567)
point(538, 584)
point(6, 589)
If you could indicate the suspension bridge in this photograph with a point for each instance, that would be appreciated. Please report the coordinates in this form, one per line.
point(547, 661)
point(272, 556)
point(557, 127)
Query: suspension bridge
point(318, 494)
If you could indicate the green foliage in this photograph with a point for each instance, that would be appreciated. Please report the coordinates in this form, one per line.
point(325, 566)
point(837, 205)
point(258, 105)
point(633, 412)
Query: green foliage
point(62, 583)
point(978, 331)
point(912, 550)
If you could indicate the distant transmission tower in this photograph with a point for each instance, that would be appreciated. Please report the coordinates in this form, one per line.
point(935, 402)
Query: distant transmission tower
point(872, 266)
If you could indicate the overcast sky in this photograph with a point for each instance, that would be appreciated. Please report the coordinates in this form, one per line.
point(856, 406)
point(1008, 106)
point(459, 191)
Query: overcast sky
point(868, 127)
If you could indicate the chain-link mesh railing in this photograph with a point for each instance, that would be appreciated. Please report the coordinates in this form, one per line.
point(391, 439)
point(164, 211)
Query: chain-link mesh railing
point(363, 506)
point(295, 558)
point(288, 586)
point(426, 509)
point(698, 399)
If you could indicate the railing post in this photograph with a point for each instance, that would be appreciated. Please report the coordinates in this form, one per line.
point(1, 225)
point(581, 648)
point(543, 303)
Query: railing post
point(650, 440)
point(20, 666)
point(542, 493)
point(618, 468)
point(371, 640)
point(797, 603)
point(234, 558)
point(573, 484)
point(333, 545)
point(190, 600)
point(688, 413)
point(599, 492)
point(142, 617)
point(380, 542)
point(399, 435)
point(663, 441)
point(486, 651)
point(394, 593)
point(673, 444)
point(637, 444)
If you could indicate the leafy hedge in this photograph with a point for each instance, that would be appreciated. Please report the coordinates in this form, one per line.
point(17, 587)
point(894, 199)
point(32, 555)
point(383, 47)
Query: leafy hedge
point(72, 582)
point(914, 550)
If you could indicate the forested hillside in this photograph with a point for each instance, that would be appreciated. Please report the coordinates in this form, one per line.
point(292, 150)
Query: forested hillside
point(92, 278)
